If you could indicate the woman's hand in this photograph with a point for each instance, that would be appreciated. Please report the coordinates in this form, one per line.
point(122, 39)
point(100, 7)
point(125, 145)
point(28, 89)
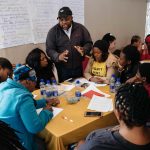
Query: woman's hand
point(48, 107)
point(53, 101)
point(96, 80)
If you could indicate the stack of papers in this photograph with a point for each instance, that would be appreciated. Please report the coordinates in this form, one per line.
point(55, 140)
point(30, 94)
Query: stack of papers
point(101, 104)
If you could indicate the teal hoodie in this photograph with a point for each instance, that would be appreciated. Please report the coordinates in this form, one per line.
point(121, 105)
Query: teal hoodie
point(18, 110)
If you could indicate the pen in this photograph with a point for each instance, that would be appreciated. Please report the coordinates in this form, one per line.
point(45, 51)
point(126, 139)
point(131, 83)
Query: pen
point(68, 79)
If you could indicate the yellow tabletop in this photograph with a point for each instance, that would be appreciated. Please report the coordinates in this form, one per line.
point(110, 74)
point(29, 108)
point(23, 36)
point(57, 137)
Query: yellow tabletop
point(70, 125)
point(145, 61)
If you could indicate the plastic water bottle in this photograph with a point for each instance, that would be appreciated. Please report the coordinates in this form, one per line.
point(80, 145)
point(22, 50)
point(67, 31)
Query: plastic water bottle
point(54, 88)
point(42, 87)
point(77, 92)
point(112, 84)
point(117, 84)
point(49, 92)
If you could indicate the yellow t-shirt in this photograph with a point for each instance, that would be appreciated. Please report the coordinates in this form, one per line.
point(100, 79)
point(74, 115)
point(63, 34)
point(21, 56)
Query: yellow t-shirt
point(99, 69)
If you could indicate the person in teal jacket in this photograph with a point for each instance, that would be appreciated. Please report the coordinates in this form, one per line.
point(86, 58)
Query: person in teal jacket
point(18, 108)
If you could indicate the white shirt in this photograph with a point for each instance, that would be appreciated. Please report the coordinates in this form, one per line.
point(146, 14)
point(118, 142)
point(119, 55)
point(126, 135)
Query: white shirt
point(68, 32)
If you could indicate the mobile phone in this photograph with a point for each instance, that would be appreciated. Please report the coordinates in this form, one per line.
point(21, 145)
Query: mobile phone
point(92, 114)
point(85, 85)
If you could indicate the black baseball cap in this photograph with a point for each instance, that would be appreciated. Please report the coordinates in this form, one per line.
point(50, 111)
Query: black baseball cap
point(64, 12)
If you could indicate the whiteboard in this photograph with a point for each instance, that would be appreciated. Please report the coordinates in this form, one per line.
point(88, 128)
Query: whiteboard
point(23, 22)
point(15, 26)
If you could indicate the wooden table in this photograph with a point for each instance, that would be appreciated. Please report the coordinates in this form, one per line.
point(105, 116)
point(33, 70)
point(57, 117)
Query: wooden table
point(70, 125)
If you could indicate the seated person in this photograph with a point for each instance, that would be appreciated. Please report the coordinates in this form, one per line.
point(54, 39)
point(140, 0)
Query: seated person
point(5, 69)
point(129, 62)
point(117, 53)
point(111, 40)
point(132, 109)
point(99, 68)
point(8, 138)
point(143, 75)
point(136, 41)
point(43, 66)
point(145, 54)
point(18, 106)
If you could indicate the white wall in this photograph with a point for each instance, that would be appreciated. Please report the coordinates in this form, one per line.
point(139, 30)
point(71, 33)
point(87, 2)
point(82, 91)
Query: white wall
point(123, 18)
point(18, 54)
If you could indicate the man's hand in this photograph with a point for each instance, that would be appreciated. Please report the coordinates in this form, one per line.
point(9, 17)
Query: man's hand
point(63, 56)
point(80, 50)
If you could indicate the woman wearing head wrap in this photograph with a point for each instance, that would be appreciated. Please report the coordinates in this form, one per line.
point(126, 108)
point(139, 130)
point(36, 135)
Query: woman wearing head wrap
point(18, 108)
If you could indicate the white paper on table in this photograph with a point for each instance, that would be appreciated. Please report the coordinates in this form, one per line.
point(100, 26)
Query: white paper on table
point(101, 104)
point(56, 111)
point(67, 87)
point(97, 84)
point(93, 88)
point(83, 80)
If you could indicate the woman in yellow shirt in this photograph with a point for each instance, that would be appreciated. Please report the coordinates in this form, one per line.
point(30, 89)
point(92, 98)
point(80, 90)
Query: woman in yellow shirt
point(100, 66)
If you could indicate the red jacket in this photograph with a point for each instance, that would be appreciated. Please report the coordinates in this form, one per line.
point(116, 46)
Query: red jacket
point(148, 88)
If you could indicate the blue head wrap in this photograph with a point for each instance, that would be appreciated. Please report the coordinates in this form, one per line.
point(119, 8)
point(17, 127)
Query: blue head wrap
point(23, 72)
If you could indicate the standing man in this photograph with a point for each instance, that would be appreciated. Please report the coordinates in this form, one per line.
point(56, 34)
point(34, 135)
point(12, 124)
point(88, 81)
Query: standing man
point(66, 44)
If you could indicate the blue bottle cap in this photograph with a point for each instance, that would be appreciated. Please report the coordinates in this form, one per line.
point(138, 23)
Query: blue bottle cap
point(78, 94)
point(41, 80)
point(48, 81)
point(77, 82)
point(53, 81)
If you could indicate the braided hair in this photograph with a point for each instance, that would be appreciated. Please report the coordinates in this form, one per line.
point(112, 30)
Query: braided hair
point(133, 104)
point(8, 138)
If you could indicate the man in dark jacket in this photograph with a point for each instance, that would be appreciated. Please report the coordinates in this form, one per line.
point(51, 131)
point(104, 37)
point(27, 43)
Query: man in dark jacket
point(66, 44)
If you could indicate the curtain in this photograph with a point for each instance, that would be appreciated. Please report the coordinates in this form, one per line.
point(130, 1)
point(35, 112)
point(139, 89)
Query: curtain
point(147, 26)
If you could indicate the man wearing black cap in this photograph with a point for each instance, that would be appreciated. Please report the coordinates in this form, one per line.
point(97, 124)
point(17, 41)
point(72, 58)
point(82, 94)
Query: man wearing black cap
point(66, 44)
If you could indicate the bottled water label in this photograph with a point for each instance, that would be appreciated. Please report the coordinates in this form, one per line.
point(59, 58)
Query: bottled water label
point(43, 92)
point(42, 87)
point(55, 93)
point(117, 84)
point(49, 94)
point(112, 88)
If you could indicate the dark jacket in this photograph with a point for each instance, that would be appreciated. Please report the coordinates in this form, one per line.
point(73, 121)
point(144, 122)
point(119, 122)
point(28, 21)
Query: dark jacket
point(45, 73)
point(109, 139)
point(129, 72)
point(57, 42)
